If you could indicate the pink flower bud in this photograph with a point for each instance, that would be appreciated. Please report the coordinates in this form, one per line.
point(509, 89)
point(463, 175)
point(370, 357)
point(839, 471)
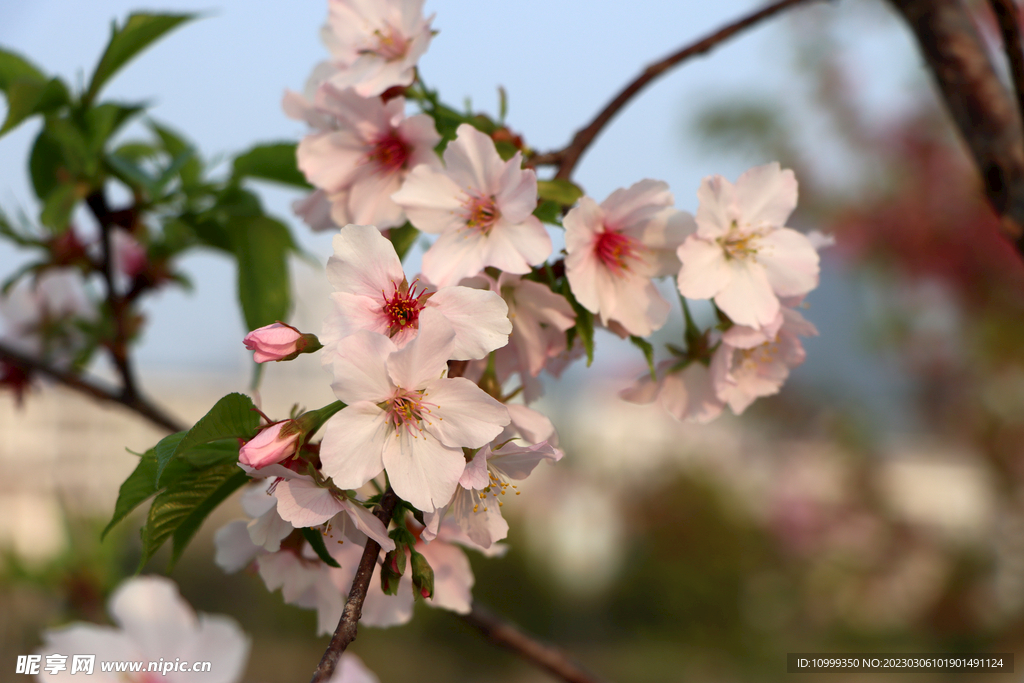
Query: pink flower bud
point(270, 446)
point(274, 342)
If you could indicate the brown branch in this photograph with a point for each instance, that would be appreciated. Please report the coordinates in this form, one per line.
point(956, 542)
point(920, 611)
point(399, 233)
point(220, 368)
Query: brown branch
point(979, 105)
point(119, 306)
point(507, 635)
point(1008, 18)
point(92, 388)
point(566, 159)
point(349, 622)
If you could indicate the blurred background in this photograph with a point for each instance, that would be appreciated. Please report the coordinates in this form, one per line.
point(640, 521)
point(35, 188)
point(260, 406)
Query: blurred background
point(874, 505)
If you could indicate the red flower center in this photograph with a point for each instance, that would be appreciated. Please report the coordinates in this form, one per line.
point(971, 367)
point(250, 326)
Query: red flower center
point(390, 153)
point(402, 308)
point(616, 251)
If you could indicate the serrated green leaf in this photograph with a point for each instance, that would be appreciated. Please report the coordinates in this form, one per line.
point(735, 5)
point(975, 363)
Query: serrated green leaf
point(232, 417)
point(648, 350)
point(15, 68)
point(402, 238)
point(180, 509)
point(141, 485)
point(316, 542)
point(58, 207)
point(28, 98)
point(564, 192)
point(272, 161)
point(139, 32)
point(261, 246)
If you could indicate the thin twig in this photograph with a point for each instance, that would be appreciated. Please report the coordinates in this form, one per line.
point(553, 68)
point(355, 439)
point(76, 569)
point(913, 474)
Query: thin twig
point(118, 305)
point(1008, 16)
point(509, 636)
point(349, 623)
point(567, 158)
point(977, 101)
point(93, 388)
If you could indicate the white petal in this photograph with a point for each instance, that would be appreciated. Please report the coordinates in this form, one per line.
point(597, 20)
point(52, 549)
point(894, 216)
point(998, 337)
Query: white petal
point(425, 358)
point(766, 195)
point(360, 367)
point(353, 440)
point(748, 299)
point(465, 416)
point(453, 578)
point(790, 261)
point(422, 470)
point(705, 270)
point(303, 504)
point(235, 550)
point(364, 262)
point(478, 317)
point(366, 522)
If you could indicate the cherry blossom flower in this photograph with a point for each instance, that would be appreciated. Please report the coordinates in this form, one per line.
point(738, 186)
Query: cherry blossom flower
point(742, 256)
point(153, 623)
point(40, 314)
point(270, 445)
point(687, 392)
point(404, 416)
point(372, 293)
point(375, 45)
point(481, 206)
point(615, 248)
point(750, 364)
point(539, 318)
point(277, 342)
point(361, 152)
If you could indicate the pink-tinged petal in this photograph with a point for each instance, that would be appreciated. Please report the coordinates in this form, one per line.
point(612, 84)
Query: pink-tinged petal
point(235, 550)
point(453, 578)
point(432, 201)
point(350, 314)
point(641, 392)
point(366, 522)
point(425, 358)
point(340, 215)
point(743, 337)
point(690, 396)
point(766, 195)
point(790, 261)
point(705, 270)
point(664, 234)
point(479, 518)
point(364, 263)
point(475, 475)
point(465, 416)
point(721, 364)
point(640, 310)
point(748, 299)
point(360, 367)
point(517, 462)
point(370, 200)
point(268, 530)
point(303, 504)
point(330, 160)
point(152, 610)
point(533, 425)
point(382, 611)
point(421, 469)
point(473, 162)
point(421, 134)
point(517, 197)
point(629, 208)
point(352, 444)
point(514, 247)
point(315, 210)
point(582, 224)
point(479, 318)
point(220, 641)
point(256, 501)
point(352, 670)
point(717, 208)
point(795, 323)
point(456, 255)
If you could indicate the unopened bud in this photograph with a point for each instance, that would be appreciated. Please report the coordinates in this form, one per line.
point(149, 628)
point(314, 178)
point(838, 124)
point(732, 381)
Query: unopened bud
point(272, 445)
point(279, 342)
point(422, 576)
point(391, 571)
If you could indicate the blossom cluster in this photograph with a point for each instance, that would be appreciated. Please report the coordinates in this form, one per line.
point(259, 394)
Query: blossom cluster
point(435, 375)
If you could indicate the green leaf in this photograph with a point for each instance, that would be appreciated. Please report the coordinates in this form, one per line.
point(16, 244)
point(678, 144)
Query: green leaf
point(76, 156)
point(15, 68)
point(648, 350)
point(403, 238)
point(180, 509)
point(58, 207)
point(584, 327)
point(316, 541)
point(273, 161)
point(104, 120)
point(261, 245)
point(232, 417)
point(564, 192)
point(139, 31)
point(27, 98)
point(549, 212)
point(44, 162)
point(191, 171)
point(130, 173)
point(140, 485)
